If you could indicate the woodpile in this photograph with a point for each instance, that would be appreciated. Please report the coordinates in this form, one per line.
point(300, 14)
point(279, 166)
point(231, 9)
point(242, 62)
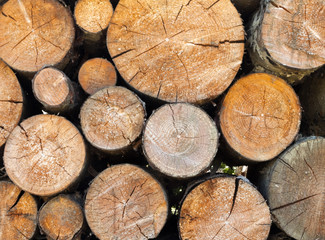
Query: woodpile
point(159, 119)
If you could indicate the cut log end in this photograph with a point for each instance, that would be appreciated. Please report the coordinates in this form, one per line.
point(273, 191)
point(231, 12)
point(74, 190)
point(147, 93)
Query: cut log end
point(260, 116)
point(180, 140)
point(224, 207)
point(35, 33)
point(125, 202)
point(11, 102)
point(176, 38)
point(45, 155)
point(96, 74)
point(61, 218)
point(112, 119)
point(18, 213)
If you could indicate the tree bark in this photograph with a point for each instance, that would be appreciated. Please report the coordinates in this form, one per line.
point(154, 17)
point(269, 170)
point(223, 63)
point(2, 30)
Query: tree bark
point(180, 140)
point(112, 119)
point(61, 218)
point(96, 74)
point(224, 207)
point(159, 55)
point(35, 33)
point(286, 38)
point(18, 209)
point(294, 188)
point(11, 102)
point(125, 202)
point(259, 117)
point(45, 155)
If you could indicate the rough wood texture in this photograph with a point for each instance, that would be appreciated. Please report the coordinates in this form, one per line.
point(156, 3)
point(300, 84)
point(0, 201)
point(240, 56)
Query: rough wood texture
point(35, 33)
point(294, 187)
point(18, 213)
point(61, 218)
point(287, 38)
point(11, 102)
point(180, 140)
point(54, 90)
point(112, 119)
point(260, 116)
point(44, 155)
point(125, 202)
point(186, 50)
point(95, 74)
point(224, 207)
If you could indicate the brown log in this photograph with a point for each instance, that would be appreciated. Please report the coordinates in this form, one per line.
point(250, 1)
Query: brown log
point(125, 202)
point(54, 90)
point(112, 119)
point(95, 74)
point(260, 117)
point(287, 38)
point(45, 155)
point(186, 50)
point(293, 185)
point(61, 218)
point(35, 33)
point(180, 140)
point(18, 213)
point(11, 102)
point(224, 207)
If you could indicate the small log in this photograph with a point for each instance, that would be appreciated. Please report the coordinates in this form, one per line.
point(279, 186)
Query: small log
point(286, 38)
point(96, 74)
point(293, 185)
point(112, 119)
point(11, 102)
point(159, 55)
point(61, 218)
point(54, 90)
point(18, 213)
point(45, 155)
point(125, 202)
point(35, 33)
point(260, 117)
point(224, 207)
point(180, 140)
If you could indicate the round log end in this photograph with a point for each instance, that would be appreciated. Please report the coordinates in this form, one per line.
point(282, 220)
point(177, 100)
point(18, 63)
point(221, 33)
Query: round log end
point(125, 202)
point(44, 155)
point(180, 140)
point(260, 116)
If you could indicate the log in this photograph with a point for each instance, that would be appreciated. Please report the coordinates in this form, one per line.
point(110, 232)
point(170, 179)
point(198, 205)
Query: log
point(11, 102)
point(260, 117)
point(112, 119)
point(96, 74)
point(54, 90)
point(159, 55)
point(35, 33)
point(180, 140)
point(125, 202)
point(18, 209)
point(224, 207)
point(61, 218)
point(293, 185)
point(45, 155)
point(286, 38)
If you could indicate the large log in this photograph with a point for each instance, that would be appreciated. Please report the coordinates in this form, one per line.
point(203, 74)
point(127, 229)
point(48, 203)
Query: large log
point(35, 33)
point(44, 155)
point(186, 50)
point(125, 202)
point(260, 117)
point(180, 140)
point(224, 207)
point(286, 38)
point(293, 185)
